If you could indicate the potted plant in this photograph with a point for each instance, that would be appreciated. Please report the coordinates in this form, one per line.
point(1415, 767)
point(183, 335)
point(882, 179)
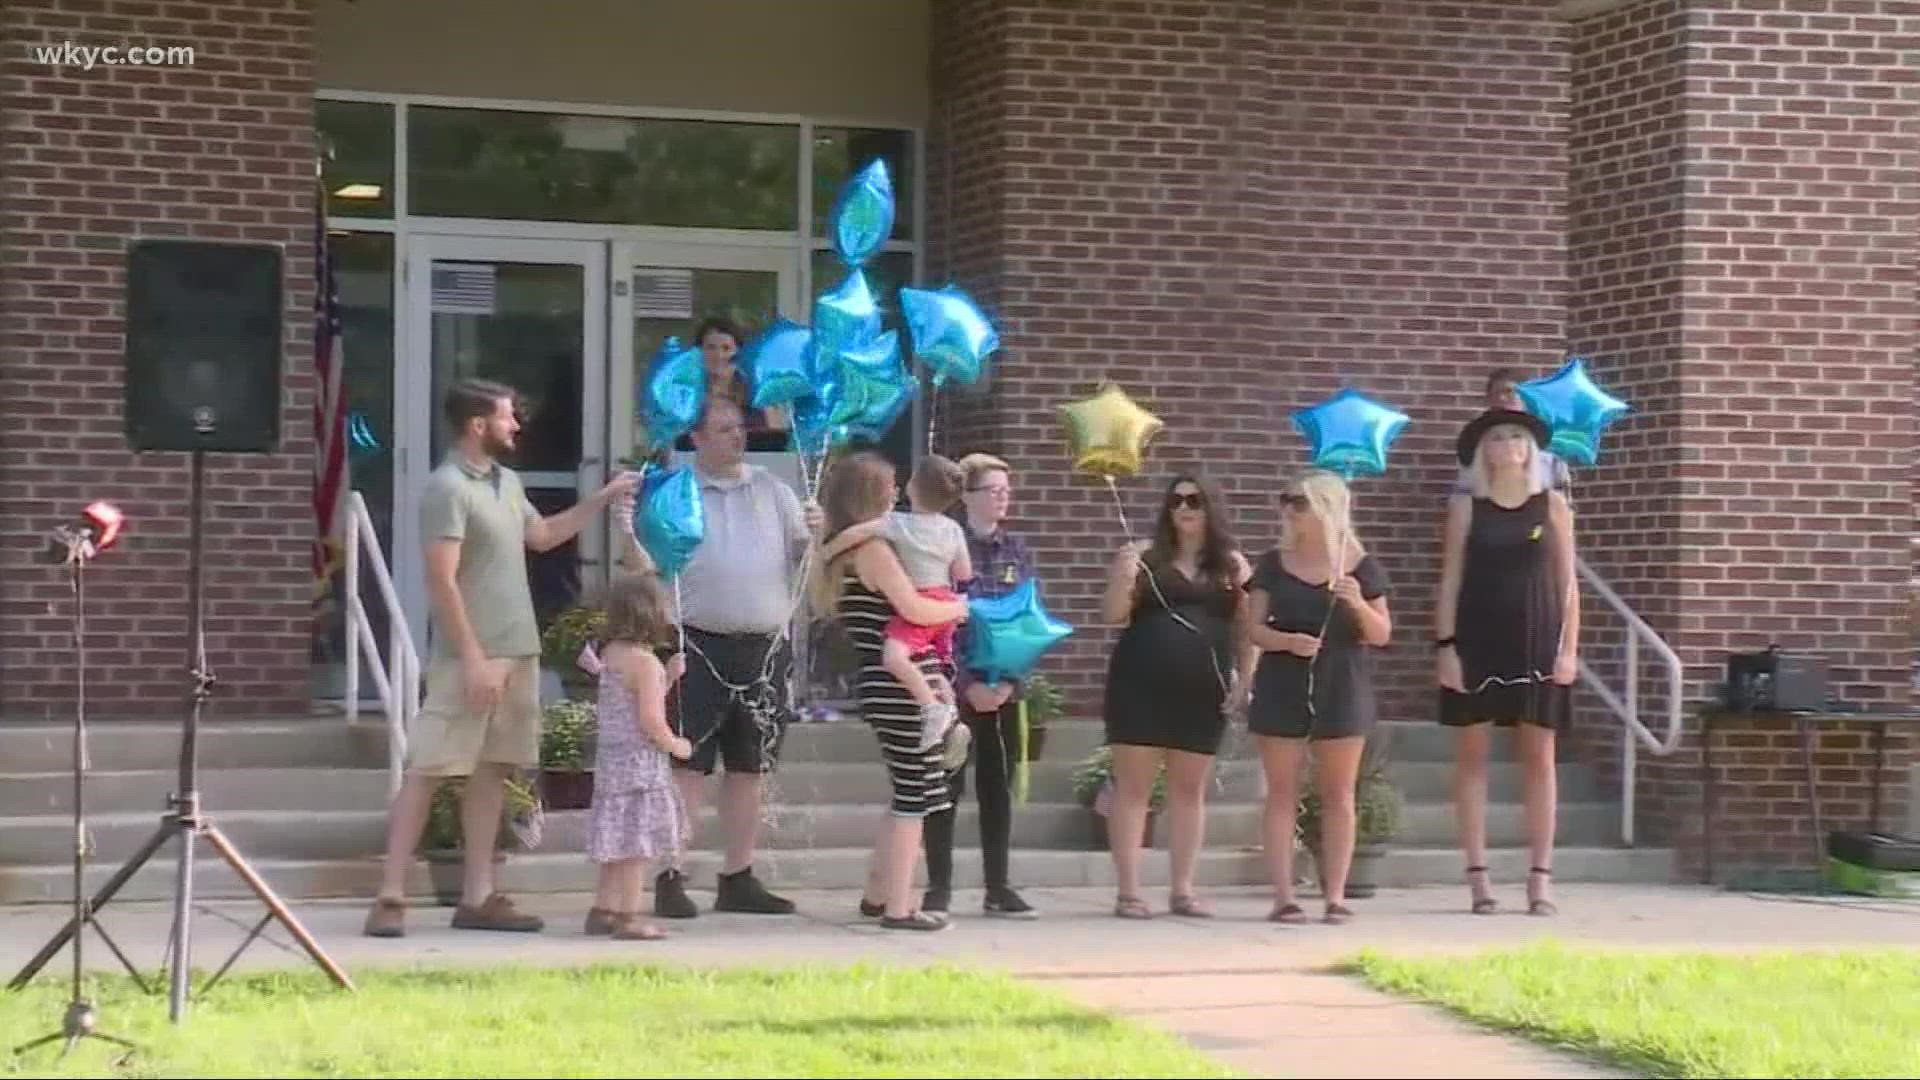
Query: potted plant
point(1377, 807)
point(565, 638)
point(1044, 703)
point(1093, 788)
point(566, 738)
point(441, 844)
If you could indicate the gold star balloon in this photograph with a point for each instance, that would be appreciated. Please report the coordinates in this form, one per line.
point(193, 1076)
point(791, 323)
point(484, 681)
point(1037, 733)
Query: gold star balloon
point(1107, 433)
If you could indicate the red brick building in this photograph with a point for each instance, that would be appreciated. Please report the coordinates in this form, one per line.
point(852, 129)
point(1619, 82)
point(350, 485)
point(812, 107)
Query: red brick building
point(1232, 207)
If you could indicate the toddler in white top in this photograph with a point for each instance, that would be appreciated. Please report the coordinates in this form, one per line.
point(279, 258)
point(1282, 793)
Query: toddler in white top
point(933, 550)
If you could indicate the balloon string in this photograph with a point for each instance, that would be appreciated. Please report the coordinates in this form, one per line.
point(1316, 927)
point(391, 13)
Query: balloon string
point(1336, 569)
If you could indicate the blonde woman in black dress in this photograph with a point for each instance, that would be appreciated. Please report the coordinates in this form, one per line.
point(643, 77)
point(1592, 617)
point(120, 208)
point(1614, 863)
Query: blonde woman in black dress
point(1316, 610)
point(1507, 635)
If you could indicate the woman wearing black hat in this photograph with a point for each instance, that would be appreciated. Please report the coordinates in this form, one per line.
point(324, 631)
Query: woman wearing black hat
point(1507, 625)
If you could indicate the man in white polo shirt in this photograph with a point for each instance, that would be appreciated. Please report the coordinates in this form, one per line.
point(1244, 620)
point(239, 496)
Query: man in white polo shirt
point(735, 701)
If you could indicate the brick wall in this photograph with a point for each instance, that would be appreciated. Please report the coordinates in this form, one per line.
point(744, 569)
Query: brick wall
point(1803, 132)
point(221, 149)
point(1624, 314)
point(1234, 210)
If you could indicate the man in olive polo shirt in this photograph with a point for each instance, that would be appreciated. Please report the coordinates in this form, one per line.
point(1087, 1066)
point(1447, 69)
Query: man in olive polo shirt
point(481, 718)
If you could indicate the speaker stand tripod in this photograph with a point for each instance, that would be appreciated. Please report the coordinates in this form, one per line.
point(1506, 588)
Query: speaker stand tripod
point(185, 820)
point(81, 1017)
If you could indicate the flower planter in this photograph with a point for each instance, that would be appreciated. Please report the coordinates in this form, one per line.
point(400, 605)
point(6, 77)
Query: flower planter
point(566, 789)
point(1362, 875)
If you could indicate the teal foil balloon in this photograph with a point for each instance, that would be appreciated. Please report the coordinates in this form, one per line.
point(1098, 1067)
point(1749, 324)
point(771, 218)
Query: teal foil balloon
point(1007, 635)
point(863, 214)
point(672, 393)
point(779, 364)
point(883, 409)
point(950, 333)
point(1349, 433)
point(669, 519)
point(867, 376)
point(1575, 408)
point(845, 317)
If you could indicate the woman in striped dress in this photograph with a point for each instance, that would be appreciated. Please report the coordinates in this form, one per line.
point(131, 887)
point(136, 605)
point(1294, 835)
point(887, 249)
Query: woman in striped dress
point(864, 588)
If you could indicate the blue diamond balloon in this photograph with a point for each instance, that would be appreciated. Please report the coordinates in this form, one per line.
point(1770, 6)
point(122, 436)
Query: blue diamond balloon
point(1349, 433)
point(672, 393)
point(1575, 408)
point(862, 216)
point(669, 519)
point(1007, 635)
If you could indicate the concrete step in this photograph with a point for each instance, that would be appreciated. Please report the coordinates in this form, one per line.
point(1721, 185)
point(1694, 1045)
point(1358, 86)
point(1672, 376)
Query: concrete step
point(141, 745)
point(314, 834)
point(221, 791)
point(800, 780)
point(820, 868)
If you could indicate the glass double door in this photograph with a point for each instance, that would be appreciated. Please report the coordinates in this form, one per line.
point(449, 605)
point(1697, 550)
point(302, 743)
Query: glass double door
point(570, 325)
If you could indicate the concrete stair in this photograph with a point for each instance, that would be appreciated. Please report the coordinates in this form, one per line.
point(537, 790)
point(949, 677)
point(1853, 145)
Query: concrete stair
point(304, 800)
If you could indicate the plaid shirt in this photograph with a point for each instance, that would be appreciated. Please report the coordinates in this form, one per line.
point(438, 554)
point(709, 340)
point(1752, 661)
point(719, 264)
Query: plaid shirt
point(1000, 563)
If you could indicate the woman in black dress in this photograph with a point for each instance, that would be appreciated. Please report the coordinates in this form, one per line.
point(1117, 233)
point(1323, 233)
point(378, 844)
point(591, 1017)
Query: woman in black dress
point(1316, 609)
point(1168, 681)
point(864, 588)
point(1507, 634)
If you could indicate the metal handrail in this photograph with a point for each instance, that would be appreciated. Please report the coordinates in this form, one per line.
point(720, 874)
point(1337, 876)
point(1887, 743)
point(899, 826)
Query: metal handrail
point(1628, 711)
point(400, 693)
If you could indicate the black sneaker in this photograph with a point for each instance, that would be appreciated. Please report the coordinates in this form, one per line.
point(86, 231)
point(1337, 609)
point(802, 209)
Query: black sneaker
point(743, 893)
point(936, 902)
point(670, 899)
point(1007, 904)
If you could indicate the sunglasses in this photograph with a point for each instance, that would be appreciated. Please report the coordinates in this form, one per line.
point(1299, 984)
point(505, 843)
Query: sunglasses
point(1191, 500)
point(1293, 501)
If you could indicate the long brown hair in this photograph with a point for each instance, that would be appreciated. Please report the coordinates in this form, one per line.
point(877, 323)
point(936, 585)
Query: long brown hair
point(637, 610)
point(856, 489)
point(1216, 550)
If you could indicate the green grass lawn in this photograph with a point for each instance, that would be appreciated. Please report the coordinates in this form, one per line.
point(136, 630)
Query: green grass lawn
point(1785, 1014)
point(606, 1021)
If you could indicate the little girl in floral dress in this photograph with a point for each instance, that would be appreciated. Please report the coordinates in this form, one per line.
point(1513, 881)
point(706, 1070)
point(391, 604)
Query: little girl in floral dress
point(637, 816)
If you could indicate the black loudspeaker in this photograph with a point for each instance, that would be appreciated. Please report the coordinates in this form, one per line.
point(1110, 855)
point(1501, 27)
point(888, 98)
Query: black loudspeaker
point(204, 346)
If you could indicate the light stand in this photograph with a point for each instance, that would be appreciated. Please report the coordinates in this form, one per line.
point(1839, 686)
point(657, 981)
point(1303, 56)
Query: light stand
point(184, 819)
point(81, 1017)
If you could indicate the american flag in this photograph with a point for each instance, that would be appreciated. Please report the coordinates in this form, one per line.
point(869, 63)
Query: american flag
point(329, 410)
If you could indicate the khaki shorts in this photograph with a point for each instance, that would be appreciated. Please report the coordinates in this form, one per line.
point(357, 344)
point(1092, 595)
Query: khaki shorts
point(449, 738)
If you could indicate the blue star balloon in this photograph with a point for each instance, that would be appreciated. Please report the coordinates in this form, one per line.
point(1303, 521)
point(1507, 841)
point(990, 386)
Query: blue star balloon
point(845, 317)
point(669, 519)
point(672, 393)
point(950, 333)
point(779, 364)
point(365, 444)
point(1575, 408)
point(863, 214)
point(1007, 635)
point(1349, 433)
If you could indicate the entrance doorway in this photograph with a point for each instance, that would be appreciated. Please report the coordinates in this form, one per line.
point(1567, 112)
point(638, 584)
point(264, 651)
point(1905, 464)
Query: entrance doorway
point(571, 324)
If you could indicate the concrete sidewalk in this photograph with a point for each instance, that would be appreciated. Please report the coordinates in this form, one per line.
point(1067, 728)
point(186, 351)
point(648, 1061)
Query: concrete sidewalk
point(1259, 997)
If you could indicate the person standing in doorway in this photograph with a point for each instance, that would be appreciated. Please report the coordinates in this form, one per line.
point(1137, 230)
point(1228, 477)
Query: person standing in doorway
point(481, 718)
point(737, 598)
point(991, 711)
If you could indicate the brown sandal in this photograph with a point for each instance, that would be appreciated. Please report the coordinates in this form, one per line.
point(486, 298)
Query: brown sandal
point(1189, 907)
point(1132, 907)
point(634, 928)
point(1539, 905)
point(1337, 915)
point(1484, 905)
point(1291, 914)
